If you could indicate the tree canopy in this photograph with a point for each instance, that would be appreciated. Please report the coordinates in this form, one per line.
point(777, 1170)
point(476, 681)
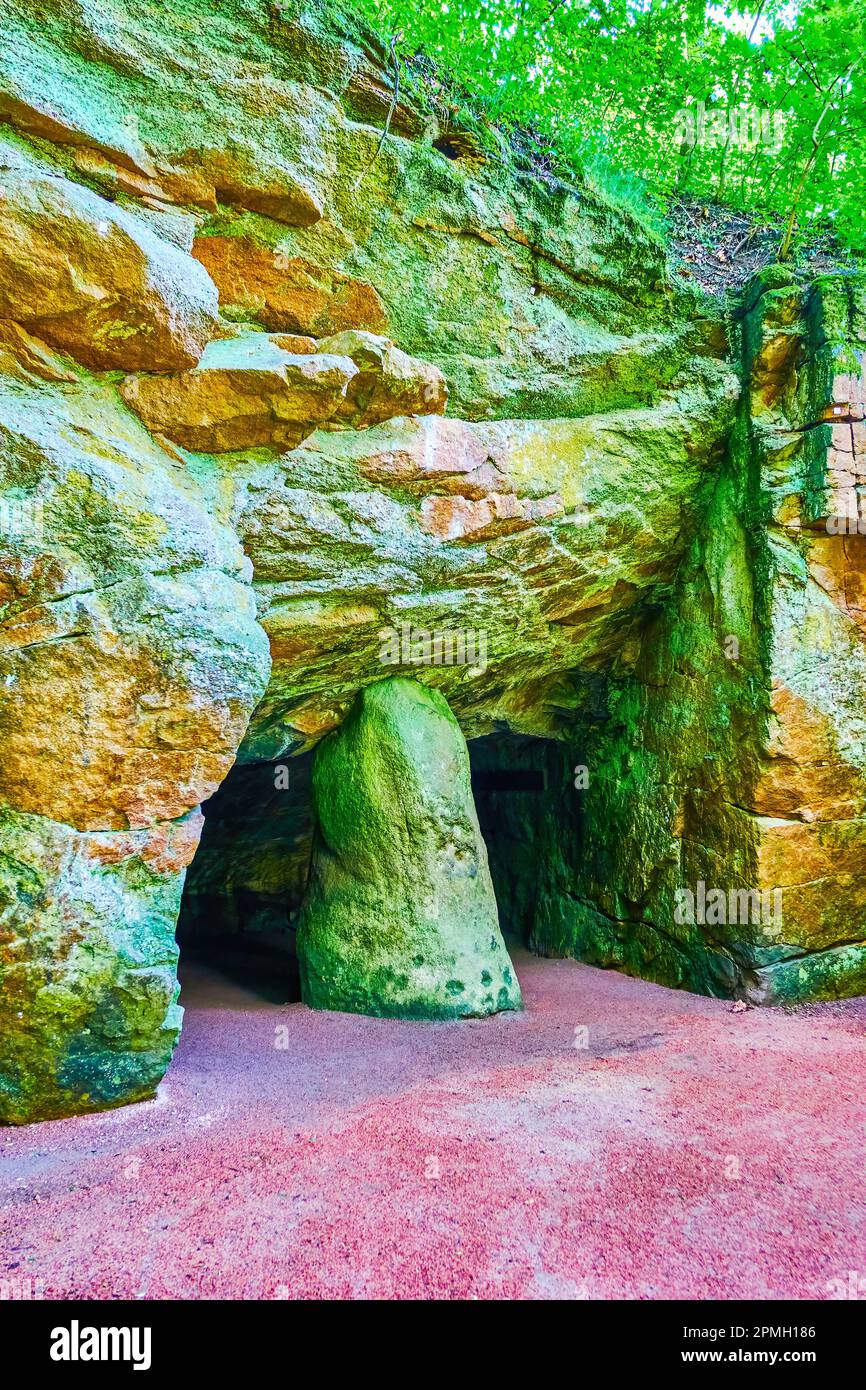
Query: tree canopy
point(760, 108)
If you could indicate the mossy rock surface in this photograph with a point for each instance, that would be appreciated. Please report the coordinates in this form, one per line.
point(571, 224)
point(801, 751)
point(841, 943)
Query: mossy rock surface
point(400, 918)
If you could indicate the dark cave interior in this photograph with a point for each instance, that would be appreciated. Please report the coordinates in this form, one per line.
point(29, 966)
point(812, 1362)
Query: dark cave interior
point(244, 888)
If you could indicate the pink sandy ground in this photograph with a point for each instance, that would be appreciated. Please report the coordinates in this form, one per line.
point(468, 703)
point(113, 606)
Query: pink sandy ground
point(687, 1151)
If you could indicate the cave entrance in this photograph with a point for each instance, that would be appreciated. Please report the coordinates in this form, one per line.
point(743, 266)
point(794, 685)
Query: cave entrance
point(530, 819)
point(245, 886)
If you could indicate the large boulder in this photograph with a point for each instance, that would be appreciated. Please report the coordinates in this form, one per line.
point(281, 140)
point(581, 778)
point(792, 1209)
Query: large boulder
point(400, 917)
point(130, 655)
point(94, 279)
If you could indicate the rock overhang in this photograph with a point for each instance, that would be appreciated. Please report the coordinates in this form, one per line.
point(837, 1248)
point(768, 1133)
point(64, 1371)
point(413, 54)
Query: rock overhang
point(549, 537)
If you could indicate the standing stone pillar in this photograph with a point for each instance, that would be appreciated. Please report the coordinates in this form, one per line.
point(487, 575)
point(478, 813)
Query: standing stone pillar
point(400, 917)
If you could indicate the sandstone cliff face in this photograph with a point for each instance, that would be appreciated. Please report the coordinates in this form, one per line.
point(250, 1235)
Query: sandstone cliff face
point(278, 394)
point(732, 755)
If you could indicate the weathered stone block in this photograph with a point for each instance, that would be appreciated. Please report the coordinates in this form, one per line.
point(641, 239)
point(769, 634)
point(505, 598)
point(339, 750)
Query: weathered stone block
point(244, 393)
point(89, 277)
point(400, 917)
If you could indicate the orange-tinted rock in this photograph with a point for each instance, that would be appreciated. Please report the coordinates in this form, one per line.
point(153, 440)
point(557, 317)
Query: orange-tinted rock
point(370, 93)
point(461, 518)
point(246, 392)
point(427, 453)
point(88, 277)
point(295, 342)
point(288, 292)
point(127, 630)
point(166, 848)
point(803, 776)
point(849, 397)
point(838, 565)
point(24, 356)
point(37, 116)
point(212, 176)
point(95, 165)
point(389, 382)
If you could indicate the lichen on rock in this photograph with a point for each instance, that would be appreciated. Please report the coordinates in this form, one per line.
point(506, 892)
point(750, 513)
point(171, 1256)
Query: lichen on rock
point(130, 659)
point(388, 382)
point(93, 279)
point(287, 293)
point(245, 392)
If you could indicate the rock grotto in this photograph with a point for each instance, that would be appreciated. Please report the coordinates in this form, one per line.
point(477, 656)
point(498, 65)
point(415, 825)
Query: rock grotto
point(276, 386)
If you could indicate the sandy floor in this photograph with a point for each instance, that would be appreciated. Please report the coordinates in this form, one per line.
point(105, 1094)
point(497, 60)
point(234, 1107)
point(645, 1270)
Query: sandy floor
point(615, 1140)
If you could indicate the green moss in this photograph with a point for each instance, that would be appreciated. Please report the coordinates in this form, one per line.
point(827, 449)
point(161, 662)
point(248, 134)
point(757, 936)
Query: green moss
point(839, 973)
point(677, 753)
point(400, 918)
point(88, 1012)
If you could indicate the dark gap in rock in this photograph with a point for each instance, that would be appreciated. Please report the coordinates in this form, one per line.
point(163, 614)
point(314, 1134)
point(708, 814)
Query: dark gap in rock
point(508, 780)
point(531, 819)
point(244, 887)
point(452, 149)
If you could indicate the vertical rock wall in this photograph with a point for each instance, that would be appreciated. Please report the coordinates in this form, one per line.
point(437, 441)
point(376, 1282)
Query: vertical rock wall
point(131, 659)
point(734, 755)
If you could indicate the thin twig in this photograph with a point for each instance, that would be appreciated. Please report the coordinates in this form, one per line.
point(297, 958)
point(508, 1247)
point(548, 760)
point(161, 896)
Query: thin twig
point(681, 205)
point(392, 108)
point(746, 241)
